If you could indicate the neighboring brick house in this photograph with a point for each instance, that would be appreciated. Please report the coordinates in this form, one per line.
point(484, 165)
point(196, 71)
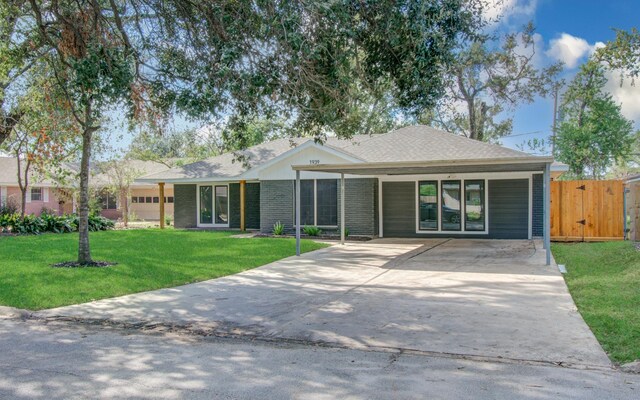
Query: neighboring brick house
point(144, 201)
point(416, 181)
point(47, 194)
point(41, 193)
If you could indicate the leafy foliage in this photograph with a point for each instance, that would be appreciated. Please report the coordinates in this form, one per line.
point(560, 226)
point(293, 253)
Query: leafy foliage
point(33, 225)
point(311, 230)
point(623, 53)
point(278, 229)
point(592, 134)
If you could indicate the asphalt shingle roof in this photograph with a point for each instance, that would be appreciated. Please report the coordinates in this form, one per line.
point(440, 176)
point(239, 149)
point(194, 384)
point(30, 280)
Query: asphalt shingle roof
point(414, 143)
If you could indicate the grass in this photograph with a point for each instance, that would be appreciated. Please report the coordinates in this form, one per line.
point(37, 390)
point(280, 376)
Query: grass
point(604, 280)
point(147, 259)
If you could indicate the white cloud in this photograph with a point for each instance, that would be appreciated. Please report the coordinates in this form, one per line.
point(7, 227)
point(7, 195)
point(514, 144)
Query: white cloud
point(503, 10)
point(626, 94)
point(571, 49)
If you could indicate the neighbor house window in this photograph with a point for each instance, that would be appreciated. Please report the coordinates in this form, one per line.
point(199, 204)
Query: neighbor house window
point(474, 206)
point(148, 200)
point(450, 206)
point(318, 202)
point(108, 201)
point(206, 204)
point(134, 199)
point(168, 199)
point(222, 208)
point(428, 205)
point(36, 194)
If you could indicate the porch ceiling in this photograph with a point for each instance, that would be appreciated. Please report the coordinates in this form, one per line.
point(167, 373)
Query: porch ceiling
point(444, 167)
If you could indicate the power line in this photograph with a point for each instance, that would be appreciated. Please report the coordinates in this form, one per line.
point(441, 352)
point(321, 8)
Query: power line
point(523, 134)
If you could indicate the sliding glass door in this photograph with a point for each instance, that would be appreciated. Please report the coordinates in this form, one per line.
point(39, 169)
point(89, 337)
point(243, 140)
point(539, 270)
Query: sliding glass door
point(213, 205)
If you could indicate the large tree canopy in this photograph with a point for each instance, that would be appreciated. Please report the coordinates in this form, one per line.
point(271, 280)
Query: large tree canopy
point(486, 81)
point(314, 63)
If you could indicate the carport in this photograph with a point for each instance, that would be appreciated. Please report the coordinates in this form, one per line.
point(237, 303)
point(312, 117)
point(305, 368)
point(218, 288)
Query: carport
point(414, 170)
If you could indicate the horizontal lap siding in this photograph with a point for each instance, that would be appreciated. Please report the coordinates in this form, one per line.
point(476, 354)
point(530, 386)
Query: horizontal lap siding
point(509, 209)
point(360, 209)
point(185, 212)
point(276, 204)
point(399, 209)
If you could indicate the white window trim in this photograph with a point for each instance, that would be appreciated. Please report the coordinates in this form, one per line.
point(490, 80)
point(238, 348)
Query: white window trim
point(3, 195)
point(315, 203)
point(461, 177)
point(29, 195)
point(213, 206)
point(463, 206)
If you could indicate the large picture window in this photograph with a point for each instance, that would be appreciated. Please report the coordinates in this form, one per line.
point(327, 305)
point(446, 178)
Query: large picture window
point(206, 204)
point(222, 212)
point(450, 205)
point(474, 206)
point(318, 202)
point(428, 205)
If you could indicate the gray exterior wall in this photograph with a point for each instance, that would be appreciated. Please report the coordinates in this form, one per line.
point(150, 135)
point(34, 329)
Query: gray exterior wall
point(276, 204)
point(537, 205)
point(185, 207)
point(360, 211)
point(509, 208)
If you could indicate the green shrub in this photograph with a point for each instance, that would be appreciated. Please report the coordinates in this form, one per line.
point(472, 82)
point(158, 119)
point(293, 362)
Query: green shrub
point(311, 230)
point(346, 232)
point(32, 225)
point(278, 229)
point(167, 220)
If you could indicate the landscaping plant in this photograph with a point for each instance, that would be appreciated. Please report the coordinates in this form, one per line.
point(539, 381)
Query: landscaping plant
point(278, 229)
point(312, 230)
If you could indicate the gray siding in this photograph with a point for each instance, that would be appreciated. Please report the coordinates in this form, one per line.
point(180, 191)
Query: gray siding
point(185, 212)
point(252, 205)
point(360, 206)
point(537, 206)
point(276, 204)
point(509, 208)
point(399, 209)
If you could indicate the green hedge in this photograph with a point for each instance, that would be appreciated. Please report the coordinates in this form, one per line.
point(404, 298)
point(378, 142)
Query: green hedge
point(33, 225)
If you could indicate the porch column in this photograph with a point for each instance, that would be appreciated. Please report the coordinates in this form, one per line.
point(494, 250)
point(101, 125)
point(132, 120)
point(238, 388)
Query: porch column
point(298, 213)
point(242, 205)
point(342, 223)
point(547, 214)
point(161, 194)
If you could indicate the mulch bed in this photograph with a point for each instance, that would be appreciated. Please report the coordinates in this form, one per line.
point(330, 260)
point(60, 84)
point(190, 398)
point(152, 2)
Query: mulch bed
point(75, 264)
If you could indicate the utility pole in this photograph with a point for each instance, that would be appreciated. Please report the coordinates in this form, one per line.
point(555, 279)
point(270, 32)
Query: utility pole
point(555, 117)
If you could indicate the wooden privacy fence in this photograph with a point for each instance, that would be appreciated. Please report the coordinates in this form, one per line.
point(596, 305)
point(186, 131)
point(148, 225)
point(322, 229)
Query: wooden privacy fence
point(587, 210)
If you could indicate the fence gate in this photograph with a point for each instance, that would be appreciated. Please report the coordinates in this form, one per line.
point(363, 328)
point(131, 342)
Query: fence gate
point(587, 210)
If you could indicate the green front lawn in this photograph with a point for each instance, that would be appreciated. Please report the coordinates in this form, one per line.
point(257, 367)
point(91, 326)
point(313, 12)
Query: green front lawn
point(604, 280)
point(147, 259)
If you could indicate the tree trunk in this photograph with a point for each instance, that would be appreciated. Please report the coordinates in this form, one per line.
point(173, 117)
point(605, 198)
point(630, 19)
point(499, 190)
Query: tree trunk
point(84, 251)
point(23, 184)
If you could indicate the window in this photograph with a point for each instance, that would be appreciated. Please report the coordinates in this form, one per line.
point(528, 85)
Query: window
point(156, 199)
point(206, 204)
point(148, 200)
point(108, 201)
point(450, 206)
point(36, 194)
point(327, 195)
point(168, 199)
point(222, 212)
point(474, 205)
point(428, 205)
point(318, 202)
point(134, 199)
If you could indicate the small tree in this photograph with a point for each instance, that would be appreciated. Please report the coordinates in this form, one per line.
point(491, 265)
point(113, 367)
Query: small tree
point(121, 174)
point(593, 134)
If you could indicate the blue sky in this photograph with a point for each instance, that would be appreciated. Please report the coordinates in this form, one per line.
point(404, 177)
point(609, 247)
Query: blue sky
point(567, 30)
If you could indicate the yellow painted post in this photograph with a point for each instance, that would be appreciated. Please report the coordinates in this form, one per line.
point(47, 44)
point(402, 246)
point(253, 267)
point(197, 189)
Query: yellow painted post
point(161, 187)
point(242, 205)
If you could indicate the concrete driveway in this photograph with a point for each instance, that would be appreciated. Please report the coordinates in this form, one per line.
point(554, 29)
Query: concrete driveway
point(471, 298)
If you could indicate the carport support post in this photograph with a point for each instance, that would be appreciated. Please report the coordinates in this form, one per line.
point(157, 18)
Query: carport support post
point(297, 212)
point(161, 195)
point(242, 205)
point(547, 209)
point(342, 223)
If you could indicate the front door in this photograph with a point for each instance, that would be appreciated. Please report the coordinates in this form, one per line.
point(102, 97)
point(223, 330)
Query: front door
point(213, 205)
